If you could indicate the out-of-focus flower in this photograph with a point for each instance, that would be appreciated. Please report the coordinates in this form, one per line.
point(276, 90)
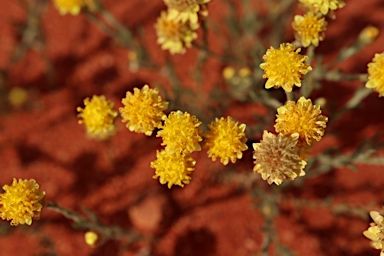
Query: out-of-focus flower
point(309, 28)
point(376, 231)
point(302, 118)
point(91, 238)
point(72, 6)
point(228, 73)
point(174, 35)
point(369, 34)
point(284, 67)
point(181, 133)
point(324, 6)
point(17, 97)
point(277, 158)
point(98, 116)
point(21, 202)
point(173, 168)
point(376, 74)
point(226, 140)
point(143, 110)
point(186, 10)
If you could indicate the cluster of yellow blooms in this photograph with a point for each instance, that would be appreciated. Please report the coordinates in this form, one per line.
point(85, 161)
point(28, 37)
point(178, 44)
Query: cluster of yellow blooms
point(310, 27)
point(21, 202)
point(283, 156)
point(376, 231)
point(376, 74)
point(176, 28)
point(73, 6)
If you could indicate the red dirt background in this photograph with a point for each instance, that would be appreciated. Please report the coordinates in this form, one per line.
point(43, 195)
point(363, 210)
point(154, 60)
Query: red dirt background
point(210, 216)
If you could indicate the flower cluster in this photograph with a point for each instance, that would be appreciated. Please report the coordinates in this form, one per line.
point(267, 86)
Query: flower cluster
point(324, 6)
point(176, 27)
point(376, 231)
point(284, 67)
point(21, 202)
point(98, 116)
point(309, 28)
point(226, 140)
point(181, 136)
point(143, 110)
point(283, 156)
point(72, 6)
point(376, 74)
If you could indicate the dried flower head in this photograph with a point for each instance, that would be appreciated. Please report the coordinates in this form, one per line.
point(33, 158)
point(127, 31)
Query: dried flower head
point(324, 6)
point(284, 67)
point(174, 35)
point(98, 116)
point(186, 10)
point(302, 118)
point(376, 231)
point(309, 28)
point(173, 168)
point(277, 158)
point(21, 202)
point(143, 110)
point(72, 6)
point(181, 133)
point(226, 140)
point(376, 74)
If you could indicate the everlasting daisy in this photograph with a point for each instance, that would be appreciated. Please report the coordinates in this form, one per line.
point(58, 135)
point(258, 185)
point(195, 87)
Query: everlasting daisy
point(376, 74)
point(143, 110)
point(173, 168)
point(186, 10)
point(376, 231)
point(21, 202)
point(181, 133)
point(277, 158)
point(72, 6)
point(226, 140)
point(324, 6)
point(302, 118)
point(98, 116)
point(309, 28)
point(174, 35)
point(284, 67)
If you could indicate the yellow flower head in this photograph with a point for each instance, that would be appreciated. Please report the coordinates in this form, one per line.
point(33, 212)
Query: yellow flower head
point(369, 34)
point(181, 133)
point(21, 202)
point(174, 35)
point(324, 6)
point(284, 67)
point(173, 168)
point(225, 139)
point(376, 74)
point(143, 110)
point(277, 158)
point(98, 116)
point(72, 6)
point(309, 28)
point(186, 10)
point(302, 118)
point(376, 231)
point(92, 238)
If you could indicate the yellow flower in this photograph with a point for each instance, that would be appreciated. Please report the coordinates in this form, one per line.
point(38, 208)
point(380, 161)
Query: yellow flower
point(143, 110)
point(324, 6)
point(72, 6)
point(309, 28)
point(302, 118)
point(173, 168)
point(181, 133)
point(225, 139)
point(277, 158)
point(376, 231)
point(91, 238)
point(369, 34)
point(21, 202)
point(98, 116)
point(284, 67)
point(174, 35)
point(376, 74)
point(186, 10)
